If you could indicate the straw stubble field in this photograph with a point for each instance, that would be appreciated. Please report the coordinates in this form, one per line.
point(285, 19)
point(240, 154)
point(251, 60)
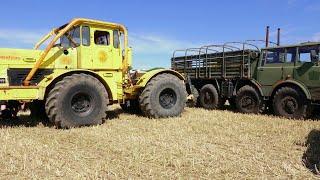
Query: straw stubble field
point(200, 144)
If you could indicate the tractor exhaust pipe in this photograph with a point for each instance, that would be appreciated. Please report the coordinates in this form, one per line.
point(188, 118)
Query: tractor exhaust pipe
point(267, 36)
point(278, 37)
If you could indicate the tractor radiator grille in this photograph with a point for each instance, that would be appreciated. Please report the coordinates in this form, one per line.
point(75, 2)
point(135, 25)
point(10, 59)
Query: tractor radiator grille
point(17, 75)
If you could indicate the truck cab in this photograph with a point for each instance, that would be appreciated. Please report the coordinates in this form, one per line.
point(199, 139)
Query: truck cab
point(298, 64)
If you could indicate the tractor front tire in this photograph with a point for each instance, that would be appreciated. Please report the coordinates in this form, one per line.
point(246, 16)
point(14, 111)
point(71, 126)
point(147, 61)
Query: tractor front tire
point(77, 100)
point(164, 96)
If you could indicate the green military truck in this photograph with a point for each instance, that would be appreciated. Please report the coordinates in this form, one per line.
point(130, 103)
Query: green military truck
point(284, 79)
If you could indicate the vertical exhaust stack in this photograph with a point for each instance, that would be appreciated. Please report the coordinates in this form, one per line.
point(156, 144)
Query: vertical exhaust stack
point(267, 36)
point(278, 37)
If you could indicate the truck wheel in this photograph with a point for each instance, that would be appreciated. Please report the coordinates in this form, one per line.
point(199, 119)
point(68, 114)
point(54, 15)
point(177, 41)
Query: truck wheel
point(290, 103)
point(195, 101)
point(131, 106)
point(248, 100)
point(209, 98)
point(164, 96)
point(77, 100)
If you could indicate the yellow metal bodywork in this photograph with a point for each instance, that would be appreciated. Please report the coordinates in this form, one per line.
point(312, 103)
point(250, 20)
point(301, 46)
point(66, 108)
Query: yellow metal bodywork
point(60, 32)
point(143, 80)
point(134, 91)
point(109, 64)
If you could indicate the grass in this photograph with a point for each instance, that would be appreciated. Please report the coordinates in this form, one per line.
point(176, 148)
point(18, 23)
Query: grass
point(200, 144)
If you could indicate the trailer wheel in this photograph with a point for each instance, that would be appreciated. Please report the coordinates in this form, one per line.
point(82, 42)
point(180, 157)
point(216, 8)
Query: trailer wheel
point(131, 106)
point(209, 98)
point(77, 100)
point(290, 103)
point(164, 96)
point(248, 100)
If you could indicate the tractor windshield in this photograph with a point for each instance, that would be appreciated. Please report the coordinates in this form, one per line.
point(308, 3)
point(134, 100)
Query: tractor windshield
point(71, 38)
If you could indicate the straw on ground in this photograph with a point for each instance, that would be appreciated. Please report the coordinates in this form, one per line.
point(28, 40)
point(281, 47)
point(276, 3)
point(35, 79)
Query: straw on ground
point(200, 144)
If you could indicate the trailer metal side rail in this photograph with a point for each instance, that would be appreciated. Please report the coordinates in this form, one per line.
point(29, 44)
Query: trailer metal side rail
point(244, 45)
point(186, 58)
point(208, 47)
point(173, 62)
point(195, 50)
point(206, 61)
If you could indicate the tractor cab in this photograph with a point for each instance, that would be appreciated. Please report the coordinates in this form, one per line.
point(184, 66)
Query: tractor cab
point(92, 47)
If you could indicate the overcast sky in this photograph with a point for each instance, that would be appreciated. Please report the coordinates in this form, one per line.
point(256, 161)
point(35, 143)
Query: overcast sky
point(158, 27)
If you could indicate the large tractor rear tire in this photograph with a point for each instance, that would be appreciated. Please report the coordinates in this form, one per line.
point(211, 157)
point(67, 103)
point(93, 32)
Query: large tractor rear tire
point(77, 100)
point(164, 96)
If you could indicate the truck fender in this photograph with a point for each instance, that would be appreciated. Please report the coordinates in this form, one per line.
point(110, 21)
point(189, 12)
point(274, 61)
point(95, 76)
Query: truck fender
point(291, 82)
point(251, 82)
point(257, 86)
point(143, 81)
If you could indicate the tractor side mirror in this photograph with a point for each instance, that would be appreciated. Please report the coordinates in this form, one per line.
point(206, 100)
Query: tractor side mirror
point(314, 56)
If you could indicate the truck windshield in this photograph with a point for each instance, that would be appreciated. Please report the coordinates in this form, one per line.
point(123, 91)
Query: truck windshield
point(71, 38)
point(274, 56)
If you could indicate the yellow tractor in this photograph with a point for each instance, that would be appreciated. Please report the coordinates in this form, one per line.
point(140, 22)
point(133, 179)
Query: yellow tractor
point(84, 68)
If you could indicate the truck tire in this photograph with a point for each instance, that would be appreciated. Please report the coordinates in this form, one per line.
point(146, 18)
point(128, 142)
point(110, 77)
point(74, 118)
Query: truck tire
point(77, 100)
point(131, 106)
point(248, 100)
point(290, 103)
point(164, 96)
point(209, 98)
point(195, 101)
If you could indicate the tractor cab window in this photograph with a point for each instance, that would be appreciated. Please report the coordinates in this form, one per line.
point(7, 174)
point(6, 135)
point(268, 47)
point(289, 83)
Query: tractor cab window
point(102, 38)
point(273, 56)
point(71, 38)
point(308, 54)
point(116, 39)
point(85, 36)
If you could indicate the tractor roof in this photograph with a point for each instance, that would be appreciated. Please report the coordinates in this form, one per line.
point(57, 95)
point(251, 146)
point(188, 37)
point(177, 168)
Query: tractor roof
point(91, 22)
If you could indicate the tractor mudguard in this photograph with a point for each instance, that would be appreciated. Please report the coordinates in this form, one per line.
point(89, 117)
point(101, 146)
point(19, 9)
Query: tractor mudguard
point(143, 81)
